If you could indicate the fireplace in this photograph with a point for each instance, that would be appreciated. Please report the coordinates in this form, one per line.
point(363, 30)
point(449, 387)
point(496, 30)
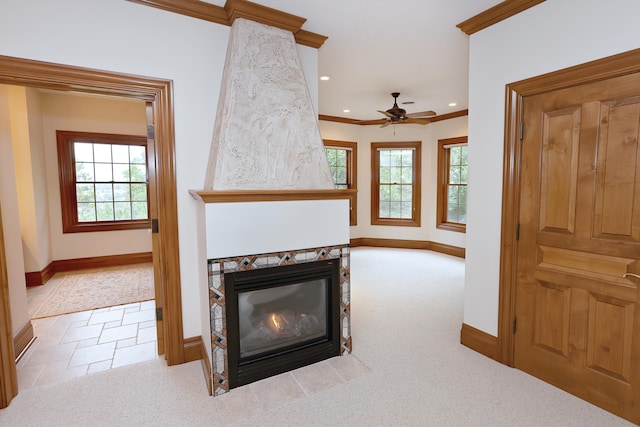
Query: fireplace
point(281, 318)
point(274, 312)
point(270, 207)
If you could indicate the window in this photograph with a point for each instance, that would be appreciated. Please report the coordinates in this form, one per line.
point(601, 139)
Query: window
point(343, 160)
point(452, 184)
point(395, 183)
point(103, 181)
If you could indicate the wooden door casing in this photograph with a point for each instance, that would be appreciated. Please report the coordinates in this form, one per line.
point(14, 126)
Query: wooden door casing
point(578, 324)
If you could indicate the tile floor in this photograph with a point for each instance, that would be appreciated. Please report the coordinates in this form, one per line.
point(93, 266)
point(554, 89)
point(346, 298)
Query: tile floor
point(82, 343)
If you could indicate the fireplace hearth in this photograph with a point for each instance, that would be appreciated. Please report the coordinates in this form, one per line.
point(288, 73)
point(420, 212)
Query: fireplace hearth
point(272, 313)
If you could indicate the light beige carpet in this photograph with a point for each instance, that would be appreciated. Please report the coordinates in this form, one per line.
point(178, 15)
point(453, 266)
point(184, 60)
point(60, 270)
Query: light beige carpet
point(406, 308)
point(71, 292)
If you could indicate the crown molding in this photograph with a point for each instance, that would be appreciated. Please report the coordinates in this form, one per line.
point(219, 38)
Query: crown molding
point(346, 120)
point(310, 39)
point(234, 9)
point(497, 13)
point(256, 12)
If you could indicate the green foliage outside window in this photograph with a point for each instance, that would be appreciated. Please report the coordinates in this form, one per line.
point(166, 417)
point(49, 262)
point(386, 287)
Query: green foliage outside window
point(396, 183)
point(338, 164)
point(111, 182)
point(457, 185)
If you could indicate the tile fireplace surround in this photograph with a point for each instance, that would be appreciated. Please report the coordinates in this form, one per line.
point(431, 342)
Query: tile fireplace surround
point(218, 267)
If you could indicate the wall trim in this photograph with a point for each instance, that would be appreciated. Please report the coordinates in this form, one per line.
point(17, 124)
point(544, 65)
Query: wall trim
point(102, 261)
point(409, 244)
point(23, 339)
point(479, 341)
point(193, 349)
point(234, 9)
point(37, 278)
point(497, 13)
point(206, 367)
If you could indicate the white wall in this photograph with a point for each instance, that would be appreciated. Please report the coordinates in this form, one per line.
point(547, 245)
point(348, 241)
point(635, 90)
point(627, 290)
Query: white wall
point(429, 135)
point(26, 138)
point(111, 35)
point(40, 227)
point(11, 218)
point(234, 229)
point(548, 37)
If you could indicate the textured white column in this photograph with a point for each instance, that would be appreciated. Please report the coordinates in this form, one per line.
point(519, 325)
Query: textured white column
point(266, 133)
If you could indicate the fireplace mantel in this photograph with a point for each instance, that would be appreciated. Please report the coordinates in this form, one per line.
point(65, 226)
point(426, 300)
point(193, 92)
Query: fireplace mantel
point(238, 196)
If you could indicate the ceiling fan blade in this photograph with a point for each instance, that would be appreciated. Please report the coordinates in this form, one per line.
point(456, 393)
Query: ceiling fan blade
point(422, 114)
point(386, 113)
point(422, 121)
point(384, 125)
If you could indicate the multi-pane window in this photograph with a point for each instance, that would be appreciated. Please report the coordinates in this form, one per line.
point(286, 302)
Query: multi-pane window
point(395, 198)
point(342, 157)
point(452, 177)
point(103, 181)
point(338, 163)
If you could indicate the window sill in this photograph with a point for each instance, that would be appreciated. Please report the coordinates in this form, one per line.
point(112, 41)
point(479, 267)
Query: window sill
point(395, 222)
point(458, 228)
point(90, 227)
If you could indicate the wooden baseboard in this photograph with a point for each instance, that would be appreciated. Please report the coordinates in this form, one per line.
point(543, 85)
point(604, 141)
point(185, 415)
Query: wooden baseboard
point(479, 341)
point(38, 278)
point(206, 368)
point(409, 244)
point(449, 249)
point(102, 261)
point(193, 349)
point(22, 339)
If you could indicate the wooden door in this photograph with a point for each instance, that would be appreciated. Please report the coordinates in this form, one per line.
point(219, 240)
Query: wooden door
point(577, 300)
point(153, 214)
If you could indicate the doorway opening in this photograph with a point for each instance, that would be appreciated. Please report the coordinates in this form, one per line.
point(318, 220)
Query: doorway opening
point(85, 305)
point(157, 93)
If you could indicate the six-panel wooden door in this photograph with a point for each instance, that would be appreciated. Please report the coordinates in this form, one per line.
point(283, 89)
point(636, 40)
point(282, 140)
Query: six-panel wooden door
point(577, 299)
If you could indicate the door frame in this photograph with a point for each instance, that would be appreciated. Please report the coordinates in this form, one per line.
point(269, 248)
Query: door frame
point(159, 93)
point(601, 69)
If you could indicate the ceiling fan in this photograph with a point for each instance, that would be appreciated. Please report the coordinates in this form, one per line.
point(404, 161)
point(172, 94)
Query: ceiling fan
point(396, 115)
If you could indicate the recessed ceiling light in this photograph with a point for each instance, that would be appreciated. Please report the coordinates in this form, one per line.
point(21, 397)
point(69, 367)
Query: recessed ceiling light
point(325, 78)
point(452, 104)
point(346, 111)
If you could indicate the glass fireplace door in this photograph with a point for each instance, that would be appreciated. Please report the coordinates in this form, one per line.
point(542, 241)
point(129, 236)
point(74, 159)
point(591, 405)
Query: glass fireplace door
point(282, 316)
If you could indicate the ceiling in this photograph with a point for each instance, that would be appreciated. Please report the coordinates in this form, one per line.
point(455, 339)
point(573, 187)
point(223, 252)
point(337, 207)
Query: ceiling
point(376, 47)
